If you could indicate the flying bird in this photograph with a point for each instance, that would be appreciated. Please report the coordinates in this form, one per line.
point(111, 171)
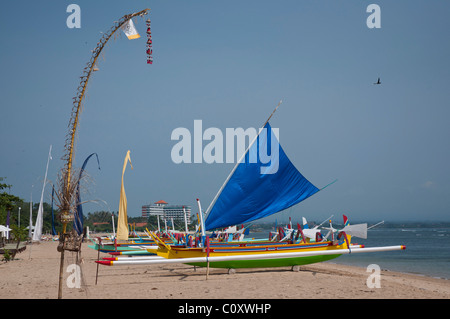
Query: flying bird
point(378, 82)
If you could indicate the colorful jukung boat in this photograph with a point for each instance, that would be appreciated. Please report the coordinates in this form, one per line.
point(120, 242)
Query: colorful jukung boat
point(252, 191)
point(267, 249)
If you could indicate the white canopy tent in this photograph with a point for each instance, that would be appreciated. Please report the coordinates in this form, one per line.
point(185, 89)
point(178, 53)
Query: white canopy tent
point(4, 230)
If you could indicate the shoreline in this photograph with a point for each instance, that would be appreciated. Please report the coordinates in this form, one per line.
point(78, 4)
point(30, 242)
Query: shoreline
point(390, 270)
point(34, 275)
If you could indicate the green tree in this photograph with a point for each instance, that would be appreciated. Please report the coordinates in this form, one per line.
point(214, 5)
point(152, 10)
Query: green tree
point(19, 234)
point(99, 217)
point(7, 201)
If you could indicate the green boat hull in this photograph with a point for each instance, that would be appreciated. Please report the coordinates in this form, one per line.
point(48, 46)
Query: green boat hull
point(266, 263)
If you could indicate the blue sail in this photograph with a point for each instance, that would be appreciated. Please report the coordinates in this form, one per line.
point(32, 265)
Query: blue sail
point(54, 233)
point(259, 188)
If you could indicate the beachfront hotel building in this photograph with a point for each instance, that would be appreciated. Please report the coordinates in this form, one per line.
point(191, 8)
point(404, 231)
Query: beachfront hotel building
point(167, 212)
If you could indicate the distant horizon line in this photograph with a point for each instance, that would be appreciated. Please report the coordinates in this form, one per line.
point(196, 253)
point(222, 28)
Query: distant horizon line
point(352, 221)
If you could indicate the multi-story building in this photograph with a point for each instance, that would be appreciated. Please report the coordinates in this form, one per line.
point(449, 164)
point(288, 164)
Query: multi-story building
point(167, 212)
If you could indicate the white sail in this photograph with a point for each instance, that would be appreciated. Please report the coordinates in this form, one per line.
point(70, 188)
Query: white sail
point(358, 230)
point(40, 216)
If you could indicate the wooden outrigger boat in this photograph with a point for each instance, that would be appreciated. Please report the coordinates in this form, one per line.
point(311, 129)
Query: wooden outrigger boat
point(272, 254)
point(253, 191)
point(268, 260)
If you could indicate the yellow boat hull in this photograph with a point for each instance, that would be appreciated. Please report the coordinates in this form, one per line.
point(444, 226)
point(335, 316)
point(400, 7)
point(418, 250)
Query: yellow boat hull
point(186, 252)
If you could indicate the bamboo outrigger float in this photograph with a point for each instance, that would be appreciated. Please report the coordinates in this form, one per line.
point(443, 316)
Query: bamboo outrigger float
point(254, 260)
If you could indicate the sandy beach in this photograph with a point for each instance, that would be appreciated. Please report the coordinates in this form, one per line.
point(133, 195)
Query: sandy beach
point(34, 275)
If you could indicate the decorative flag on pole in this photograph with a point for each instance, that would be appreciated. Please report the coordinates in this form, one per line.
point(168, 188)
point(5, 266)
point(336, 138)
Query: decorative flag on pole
point(40, 217)
point(346, 221)
point(122, 224)
point(78, 220)
point(7, 224)
point(30, 227)
point(130, 31)
point(54, 233)
point(149, 43)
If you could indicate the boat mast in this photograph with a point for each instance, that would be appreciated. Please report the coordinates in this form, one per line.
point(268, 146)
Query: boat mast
point(185, 220)
point(202, 223)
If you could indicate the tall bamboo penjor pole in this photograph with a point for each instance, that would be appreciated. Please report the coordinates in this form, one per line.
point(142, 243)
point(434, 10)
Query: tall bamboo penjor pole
point(68, 191)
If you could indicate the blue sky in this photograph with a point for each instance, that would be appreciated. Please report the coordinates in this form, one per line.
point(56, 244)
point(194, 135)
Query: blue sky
point(228, 63)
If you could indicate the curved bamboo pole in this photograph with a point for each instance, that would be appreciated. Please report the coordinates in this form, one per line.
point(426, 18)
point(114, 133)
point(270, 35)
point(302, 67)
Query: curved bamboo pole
point(66, 187)
point(83, 85)
point(67, 191)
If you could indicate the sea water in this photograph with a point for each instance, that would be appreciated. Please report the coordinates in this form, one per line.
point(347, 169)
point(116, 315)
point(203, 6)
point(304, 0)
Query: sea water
point(427, 250)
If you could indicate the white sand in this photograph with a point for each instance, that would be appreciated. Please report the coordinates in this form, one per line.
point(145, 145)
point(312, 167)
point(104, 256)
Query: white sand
point(37, 278)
